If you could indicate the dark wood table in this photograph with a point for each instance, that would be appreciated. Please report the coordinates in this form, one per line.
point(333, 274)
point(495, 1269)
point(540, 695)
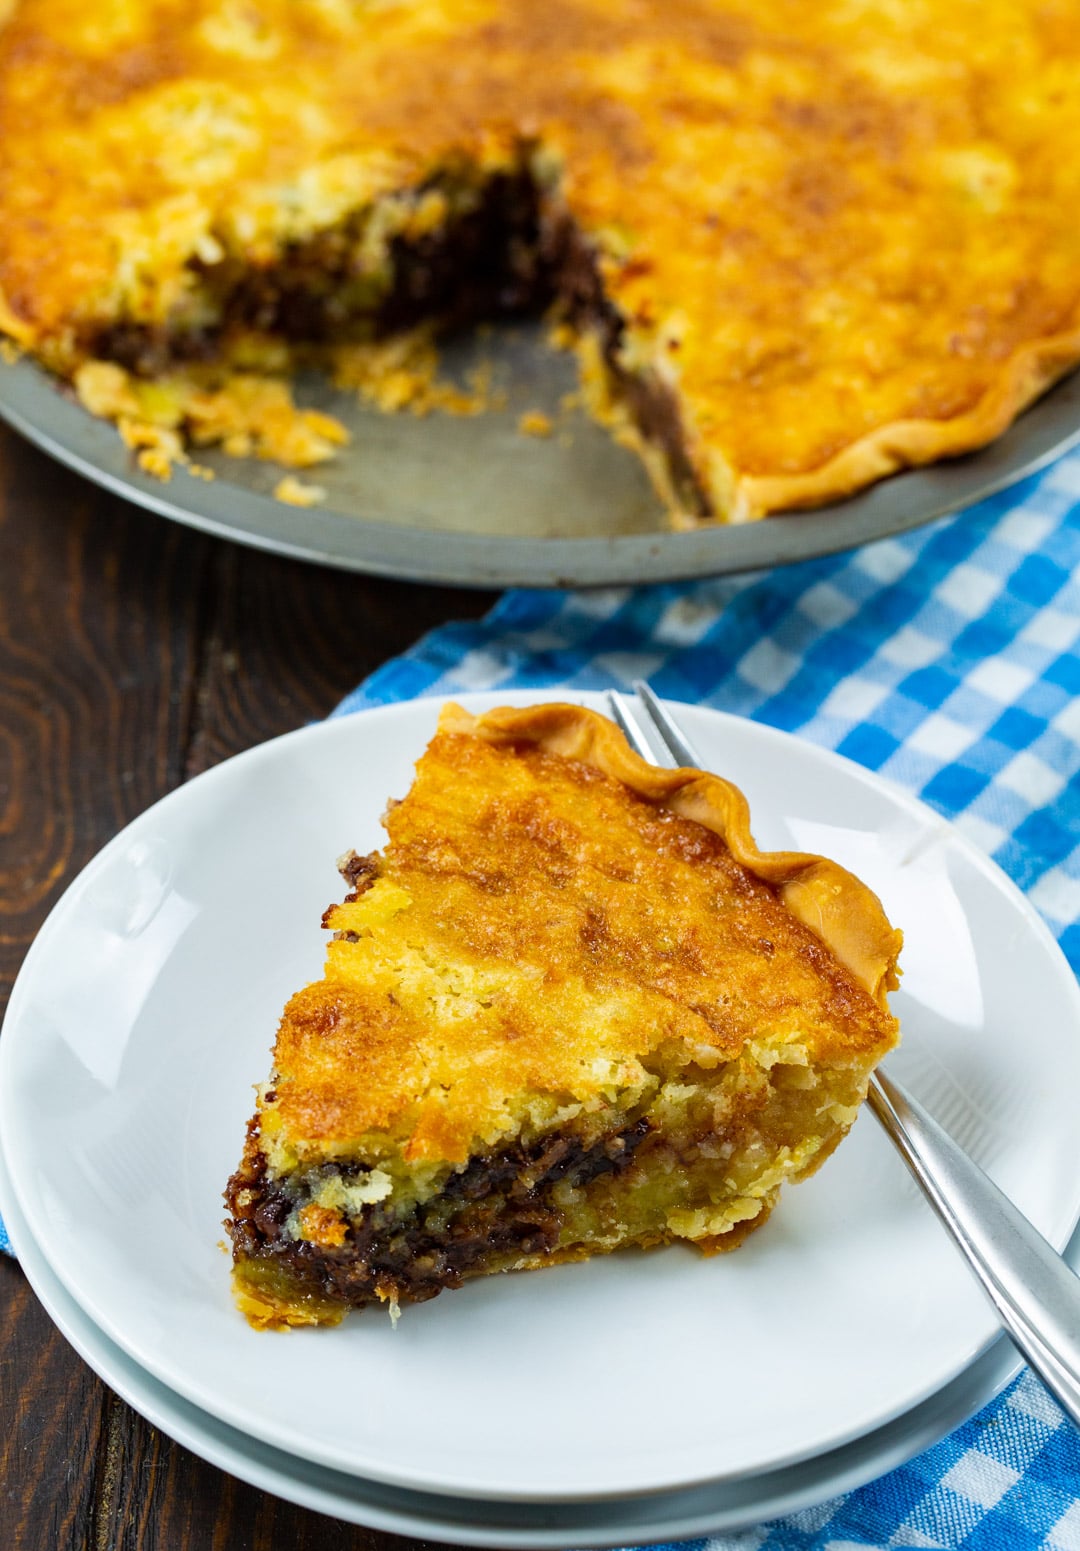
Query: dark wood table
point(133, 655)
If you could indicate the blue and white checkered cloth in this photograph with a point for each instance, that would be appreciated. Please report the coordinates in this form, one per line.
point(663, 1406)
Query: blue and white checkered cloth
point(947, 660)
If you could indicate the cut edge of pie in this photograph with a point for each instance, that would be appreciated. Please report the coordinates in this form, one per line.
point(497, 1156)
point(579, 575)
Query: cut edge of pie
point(210, 360)
point(440, 1110)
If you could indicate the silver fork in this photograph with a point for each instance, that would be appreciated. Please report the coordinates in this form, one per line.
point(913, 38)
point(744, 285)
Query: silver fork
point(1036, 1295)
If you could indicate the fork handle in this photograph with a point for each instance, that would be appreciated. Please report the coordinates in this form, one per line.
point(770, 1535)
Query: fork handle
point(1035, 1293)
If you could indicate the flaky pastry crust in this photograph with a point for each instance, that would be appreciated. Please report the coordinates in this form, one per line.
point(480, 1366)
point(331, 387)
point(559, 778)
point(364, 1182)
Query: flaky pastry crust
point(914, 443)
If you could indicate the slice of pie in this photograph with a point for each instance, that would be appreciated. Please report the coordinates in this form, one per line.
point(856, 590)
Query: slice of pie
point(796, 247)
point(569, 1007)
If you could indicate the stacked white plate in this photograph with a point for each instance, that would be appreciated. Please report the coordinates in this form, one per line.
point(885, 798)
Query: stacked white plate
point(632, 1398)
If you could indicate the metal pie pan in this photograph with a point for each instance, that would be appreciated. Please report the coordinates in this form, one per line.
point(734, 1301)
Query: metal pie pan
point(475, 502)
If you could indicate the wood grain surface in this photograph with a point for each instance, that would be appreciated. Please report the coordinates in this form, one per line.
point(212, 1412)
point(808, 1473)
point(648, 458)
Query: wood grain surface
point(134, 654)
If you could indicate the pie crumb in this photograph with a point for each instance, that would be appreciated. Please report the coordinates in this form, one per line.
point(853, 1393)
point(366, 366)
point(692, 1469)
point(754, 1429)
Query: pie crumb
point(535, 423)
point(294, 492)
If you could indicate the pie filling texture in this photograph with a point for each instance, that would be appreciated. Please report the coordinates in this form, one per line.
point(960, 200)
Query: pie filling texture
point(569, 1007)
point(795, 250)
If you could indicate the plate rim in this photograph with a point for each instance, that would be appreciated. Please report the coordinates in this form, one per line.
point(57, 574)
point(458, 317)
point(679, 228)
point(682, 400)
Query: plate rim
point(406, 710)
point(43, 409)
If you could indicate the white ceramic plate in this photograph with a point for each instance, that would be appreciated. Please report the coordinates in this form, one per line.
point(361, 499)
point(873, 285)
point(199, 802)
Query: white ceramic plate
point(145, 1011)
point(707, 1510)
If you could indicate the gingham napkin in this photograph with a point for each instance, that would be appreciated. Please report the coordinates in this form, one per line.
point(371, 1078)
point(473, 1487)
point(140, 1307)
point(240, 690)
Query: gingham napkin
point(947, 660)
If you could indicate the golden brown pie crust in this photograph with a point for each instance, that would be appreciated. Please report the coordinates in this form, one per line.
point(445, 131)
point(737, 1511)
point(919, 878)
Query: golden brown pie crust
point(910, 443)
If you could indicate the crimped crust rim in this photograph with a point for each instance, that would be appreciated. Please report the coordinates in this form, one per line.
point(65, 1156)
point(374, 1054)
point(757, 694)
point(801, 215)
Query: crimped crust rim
point(842, 911)
point(914, 442)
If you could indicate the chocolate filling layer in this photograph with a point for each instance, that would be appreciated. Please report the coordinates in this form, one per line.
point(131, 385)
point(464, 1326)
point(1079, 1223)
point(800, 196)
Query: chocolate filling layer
point(580, 291)
point(496, 1209)
point(482, 262)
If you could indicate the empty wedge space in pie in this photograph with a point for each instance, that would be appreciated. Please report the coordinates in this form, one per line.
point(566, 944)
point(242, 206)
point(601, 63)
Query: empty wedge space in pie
point(795, 249)
point(569, 1007)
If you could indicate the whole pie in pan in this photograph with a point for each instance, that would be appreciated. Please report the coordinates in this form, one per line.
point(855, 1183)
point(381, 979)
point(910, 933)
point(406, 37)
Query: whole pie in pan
point(569, 1007)
point(796, 247)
